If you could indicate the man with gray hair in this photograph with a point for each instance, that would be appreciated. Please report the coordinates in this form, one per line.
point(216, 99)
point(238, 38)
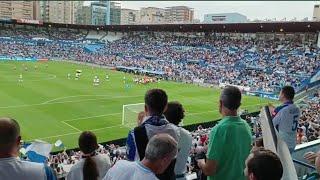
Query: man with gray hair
point(160, 151)
point(229, 141)
point(12, 167)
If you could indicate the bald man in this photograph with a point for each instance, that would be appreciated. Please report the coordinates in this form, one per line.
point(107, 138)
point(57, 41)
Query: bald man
point(11, 167)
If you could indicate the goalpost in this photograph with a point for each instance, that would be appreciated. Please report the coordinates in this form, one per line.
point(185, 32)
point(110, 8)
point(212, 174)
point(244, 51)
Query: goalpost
point(130, 114)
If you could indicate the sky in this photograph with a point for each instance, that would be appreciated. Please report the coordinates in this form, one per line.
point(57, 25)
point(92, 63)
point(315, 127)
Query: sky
point(252, 9)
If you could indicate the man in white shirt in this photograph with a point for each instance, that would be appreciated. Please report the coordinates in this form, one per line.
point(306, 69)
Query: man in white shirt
point(286, 117)
point(160, 151)
point(11, 167)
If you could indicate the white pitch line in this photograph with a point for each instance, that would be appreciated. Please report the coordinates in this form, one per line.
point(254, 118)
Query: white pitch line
point(71, 126)
point(66, 134)
point(108, 127)
point(66, 97)
point(90, 117)
point(51, 76)
point(55, 136)
point(41, 104)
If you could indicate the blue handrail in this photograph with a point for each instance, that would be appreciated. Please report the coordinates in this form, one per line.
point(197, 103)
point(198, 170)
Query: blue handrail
point(304, 164)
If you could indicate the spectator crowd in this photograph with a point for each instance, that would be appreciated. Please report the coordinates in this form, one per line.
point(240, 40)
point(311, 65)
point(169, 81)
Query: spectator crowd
point(309, 123)
point(261, 65)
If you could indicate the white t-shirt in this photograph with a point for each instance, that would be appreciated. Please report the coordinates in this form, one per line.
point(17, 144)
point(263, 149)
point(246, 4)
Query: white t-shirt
point(103, 165)
point(13, 168)
point(184, 147)
point(126, 170)
point(287, 120)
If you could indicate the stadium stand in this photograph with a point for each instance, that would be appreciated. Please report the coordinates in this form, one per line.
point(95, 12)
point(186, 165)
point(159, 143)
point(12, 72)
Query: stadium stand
point(262, 66)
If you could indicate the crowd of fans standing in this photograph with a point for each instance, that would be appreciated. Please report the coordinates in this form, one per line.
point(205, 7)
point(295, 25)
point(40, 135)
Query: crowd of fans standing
point(263, 65)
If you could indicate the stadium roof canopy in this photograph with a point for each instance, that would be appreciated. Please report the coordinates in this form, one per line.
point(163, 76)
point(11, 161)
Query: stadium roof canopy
point(233, 27)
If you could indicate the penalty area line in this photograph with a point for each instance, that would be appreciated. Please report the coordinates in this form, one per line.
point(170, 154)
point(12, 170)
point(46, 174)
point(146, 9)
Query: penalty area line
point(120, 125)
point(90, 117)
point(73, 133)
point(64, 102)
point(71, 126)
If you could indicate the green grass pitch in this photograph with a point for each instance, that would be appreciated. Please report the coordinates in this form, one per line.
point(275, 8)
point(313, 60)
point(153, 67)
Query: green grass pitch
point(49, 106)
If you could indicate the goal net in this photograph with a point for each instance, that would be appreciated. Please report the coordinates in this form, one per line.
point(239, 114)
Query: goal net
point(130, 114)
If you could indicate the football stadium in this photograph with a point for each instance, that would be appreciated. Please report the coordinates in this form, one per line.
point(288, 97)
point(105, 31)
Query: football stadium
point(159, 100)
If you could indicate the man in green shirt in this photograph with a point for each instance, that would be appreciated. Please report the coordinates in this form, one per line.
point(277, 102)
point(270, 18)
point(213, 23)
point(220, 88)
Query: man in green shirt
point(229, 141)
